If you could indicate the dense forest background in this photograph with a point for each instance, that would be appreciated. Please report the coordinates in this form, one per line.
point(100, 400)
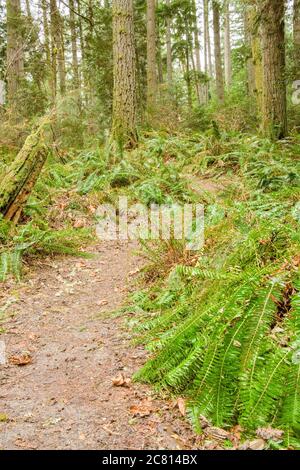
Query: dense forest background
point(193, 60)
point(169, 101)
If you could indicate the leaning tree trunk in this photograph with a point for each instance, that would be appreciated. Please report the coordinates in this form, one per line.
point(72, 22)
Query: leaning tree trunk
point(124, 127)
point(274, 120)
point(21, 176)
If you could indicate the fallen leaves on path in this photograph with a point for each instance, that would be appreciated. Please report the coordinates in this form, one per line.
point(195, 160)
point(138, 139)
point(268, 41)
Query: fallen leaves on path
point(181, 406)
point(24, 444)
point(144, 408)
point(100, 303)
point(121, 381)
point(257, 444)
point(217, 433)
point(21, 359)
point(270, 434)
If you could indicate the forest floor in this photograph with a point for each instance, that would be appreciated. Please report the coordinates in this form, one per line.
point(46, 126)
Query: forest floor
point(66, 384)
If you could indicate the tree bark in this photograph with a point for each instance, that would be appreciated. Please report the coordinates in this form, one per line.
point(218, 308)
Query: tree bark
point(21, 176)
point(57, 49)
point(188, 57)
point(124, 128)
point(296, 38)
point(256, 48)
point(28, 11)
point(75, 67)
point(250, 62)
point(46, 32)
point(83, 79)
point(15, 59)
point(218, 54)
point(206, 47)
point(274, 87)
point(196, 39)
point(159, 55)
point(207, 42)
point(227, 46)
point(169, 47)
point(151, 58)
point(201, 88)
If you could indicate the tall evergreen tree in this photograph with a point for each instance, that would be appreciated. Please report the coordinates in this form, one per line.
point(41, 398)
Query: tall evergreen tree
point(227, 45)
point(151, 57)
point(218, 52)
point(57, 49)
point(169, 45)
point(75, 66)
point(15, 52)
point(124, 126)
point(272, 14)
point(296, 37)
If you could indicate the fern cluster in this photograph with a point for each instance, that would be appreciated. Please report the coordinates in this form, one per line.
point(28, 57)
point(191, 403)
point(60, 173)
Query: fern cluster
point(36, 238)
point(225, 332)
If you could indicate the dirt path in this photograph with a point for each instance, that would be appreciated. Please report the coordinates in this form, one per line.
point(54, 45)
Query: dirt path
point(64, 398)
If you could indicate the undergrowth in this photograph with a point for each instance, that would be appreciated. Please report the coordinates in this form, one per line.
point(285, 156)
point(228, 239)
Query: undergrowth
point(222, 324)
point(59, 217)
point(224, 330)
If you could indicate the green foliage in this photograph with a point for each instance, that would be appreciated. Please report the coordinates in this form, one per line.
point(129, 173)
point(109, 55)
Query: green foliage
point(33, 239)
point(150, 174)
point(224, 331)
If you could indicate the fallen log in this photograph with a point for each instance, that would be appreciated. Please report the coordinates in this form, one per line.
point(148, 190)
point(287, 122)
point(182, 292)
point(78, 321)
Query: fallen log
point(22, 175)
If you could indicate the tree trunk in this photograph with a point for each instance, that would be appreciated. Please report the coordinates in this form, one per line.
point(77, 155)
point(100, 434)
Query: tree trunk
point(151, 58)
point(21, 176)
point(218, 55)
point(227, 47)
point(188, 57)
point(57, 49)
point(75, 67)
point(206, 48)
point(274, 87)
point(256, 47)
point(207, 42)
point(83, 79)
point(28, 11)
point(47, 51)
point(296, 38)
point(169, 47)
point(205, 28)
point(124, 131)
point(201, 88)
point(159, 55)
point(15, 60)
point(196, 39)
point(46, 32)
point(250, 62)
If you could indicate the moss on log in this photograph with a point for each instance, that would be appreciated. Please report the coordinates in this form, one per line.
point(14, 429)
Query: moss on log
point(22, 175)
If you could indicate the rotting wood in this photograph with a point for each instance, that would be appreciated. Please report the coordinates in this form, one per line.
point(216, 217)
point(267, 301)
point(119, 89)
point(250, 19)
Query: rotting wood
point(22, 175)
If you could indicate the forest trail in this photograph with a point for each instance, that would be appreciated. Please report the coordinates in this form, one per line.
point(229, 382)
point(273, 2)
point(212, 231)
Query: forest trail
point(64, 398)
